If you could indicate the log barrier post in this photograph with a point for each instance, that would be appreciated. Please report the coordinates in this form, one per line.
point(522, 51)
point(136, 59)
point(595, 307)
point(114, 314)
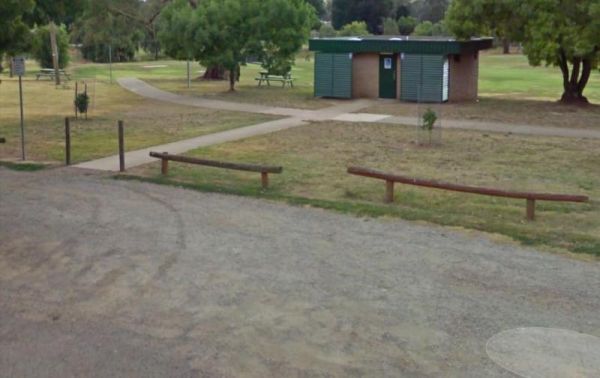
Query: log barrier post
point(530, 209)
point(164, 166)
point(389, 191)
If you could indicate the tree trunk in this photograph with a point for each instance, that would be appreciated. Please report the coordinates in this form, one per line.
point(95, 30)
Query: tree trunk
point(505, 46)
point(214, 73)
point(11, 68)
point(54, 53)
point(232, 79)
point(575, 85)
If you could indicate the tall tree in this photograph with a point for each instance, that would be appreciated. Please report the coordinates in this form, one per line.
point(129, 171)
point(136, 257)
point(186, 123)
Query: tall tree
point(55, 12)
point(144, 14)
point(100, 31)
point(402, 8)
point(14, 35)
point(41, 50)
point(227, 32)
point(370, 11)
point(563, 33)
point(431, 10)
point(499, 18)
point(406, 25)
point(319, 6)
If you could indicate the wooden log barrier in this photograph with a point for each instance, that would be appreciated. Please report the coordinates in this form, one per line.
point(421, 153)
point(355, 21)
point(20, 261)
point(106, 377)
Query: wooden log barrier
point(530, 197)
point(264, 170)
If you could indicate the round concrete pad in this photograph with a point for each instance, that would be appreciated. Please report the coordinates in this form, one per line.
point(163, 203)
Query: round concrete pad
point(546, 352)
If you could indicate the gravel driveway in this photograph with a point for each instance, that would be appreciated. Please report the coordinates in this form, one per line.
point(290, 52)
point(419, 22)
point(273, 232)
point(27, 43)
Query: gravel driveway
point(111, 278)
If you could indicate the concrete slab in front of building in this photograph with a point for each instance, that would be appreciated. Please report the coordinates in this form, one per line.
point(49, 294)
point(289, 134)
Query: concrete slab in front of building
point(361, 117)
point(413, 69)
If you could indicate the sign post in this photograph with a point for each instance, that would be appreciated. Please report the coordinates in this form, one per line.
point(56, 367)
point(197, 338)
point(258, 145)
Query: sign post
point(19, 70)
point(189, 78)
point(110, 61)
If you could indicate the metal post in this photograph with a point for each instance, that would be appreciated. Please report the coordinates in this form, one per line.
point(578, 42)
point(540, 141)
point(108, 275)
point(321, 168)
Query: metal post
point(121, 147)
point(75, 99)
point(22, 121)
point(189, 78)
point(85, 92)
point(110, 61)
point(67, 141)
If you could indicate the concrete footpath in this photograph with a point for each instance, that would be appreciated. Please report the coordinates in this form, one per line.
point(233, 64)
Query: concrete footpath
point(295, 117)
point(139, 157)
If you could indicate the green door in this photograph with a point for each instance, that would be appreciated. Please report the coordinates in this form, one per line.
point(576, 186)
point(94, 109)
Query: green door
point(387, 76)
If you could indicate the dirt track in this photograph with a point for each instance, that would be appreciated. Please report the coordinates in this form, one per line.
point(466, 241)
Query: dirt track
point(109, 278)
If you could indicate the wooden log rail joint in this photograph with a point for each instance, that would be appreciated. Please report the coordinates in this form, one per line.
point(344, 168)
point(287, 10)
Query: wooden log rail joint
point(530, 197)
point(264, 170)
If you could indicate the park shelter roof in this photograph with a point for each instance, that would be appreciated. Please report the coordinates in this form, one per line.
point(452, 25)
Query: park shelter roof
point(399, 44)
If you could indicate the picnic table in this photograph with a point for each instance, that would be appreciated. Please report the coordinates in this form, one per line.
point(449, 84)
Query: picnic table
point(266, 77)
point(49, 73)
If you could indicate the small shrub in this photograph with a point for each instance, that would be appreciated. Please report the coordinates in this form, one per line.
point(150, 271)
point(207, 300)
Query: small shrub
point(81, 102)
point(354, 29)
point(390, 26)
point(327, 31)
point(429, 119)
point(407, 24)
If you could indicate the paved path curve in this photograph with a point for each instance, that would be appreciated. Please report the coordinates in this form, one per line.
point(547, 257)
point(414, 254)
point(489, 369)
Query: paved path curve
point(295, 117)
point(139, 157)
point(104, 278)
point(346, 112)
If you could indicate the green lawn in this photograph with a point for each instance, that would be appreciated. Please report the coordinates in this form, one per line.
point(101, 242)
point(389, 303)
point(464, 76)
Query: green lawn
point(315, 158)
point(161, 69)
point(510, 76)
point(507, 77)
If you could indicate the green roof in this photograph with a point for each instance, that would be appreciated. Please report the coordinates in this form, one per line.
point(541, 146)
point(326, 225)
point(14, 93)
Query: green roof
point(399, 44)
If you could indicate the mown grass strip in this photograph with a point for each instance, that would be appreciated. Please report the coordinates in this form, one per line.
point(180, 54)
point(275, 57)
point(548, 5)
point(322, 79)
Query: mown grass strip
point(584, 244)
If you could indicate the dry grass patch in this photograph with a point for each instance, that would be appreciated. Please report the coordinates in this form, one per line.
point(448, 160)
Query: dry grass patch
point(315, 158)
point(523, 112)
point(147, 122)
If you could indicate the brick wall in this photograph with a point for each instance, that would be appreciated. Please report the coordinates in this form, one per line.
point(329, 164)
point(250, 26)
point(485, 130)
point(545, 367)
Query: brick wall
point(365, 75)
point(464, 77)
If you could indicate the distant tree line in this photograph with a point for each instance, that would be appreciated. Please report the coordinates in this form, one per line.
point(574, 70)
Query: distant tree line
point(390, 17)
point(123, 27)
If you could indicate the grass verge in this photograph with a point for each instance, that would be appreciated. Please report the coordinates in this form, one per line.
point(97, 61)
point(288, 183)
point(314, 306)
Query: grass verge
point(147, 122)
point(315, 158)
point(24, 167)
